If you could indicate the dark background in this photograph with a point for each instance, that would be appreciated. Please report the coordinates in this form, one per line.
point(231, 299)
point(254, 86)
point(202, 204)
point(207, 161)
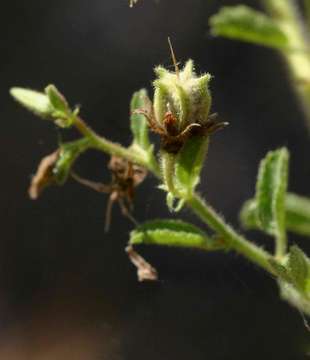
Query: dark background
point(67, 290)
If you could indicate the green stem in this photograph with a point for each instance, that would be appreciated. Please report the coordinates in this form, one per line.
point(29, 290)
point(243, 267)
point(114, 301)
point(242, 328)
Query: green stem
point(281, 245)
point(286, 15)
point(307, 11)
point(235, 241)
point(102, 144)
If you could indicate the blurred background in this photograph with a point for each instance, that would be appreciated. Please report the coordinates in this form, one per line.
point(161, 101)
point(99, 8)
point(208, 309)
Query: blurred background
point(67, 289)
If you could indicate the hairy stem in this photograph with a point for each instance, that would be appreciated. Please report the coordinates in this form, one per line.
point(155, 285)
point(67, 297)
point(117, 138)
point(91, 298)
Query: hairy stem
point(281, 245)
point(235, 241)
point(102, 144)
point(286, 14)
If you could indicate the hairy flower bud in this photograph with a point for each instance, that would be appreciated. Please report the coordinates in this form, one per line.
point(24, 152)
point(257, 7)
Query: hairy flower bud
point(182, 93)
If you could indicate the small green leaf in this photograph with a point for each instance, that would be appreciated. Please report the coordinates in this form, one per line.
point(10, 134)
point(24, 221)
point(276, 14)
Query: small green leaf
point(280, 270)
point(271, 189)
point(298, 214)
point(35, 101)
point(139, 126)
point(172, 233)
point(248, 215)
point(244, 23)
point(189, 162)
point(296, 298)
point(69, 152)
point(299, 267)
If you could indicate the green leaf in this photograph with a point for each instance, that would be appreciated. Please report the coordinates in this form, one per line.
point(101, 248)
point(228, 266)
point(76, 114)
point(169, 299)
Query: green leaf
point(172, 233)
point(189, 162)
point(139, 126)
point(280, 270)
point(298, 214)
point(299, 268)
point(248, 215)
point(35, 101)
point(296, 298)
point(271, 189)
point(69, 152)
point(244, 23)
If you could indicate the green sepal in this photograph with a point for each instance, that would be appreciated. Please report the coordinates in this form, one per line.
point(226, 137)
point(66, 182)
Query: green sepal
point(173, 233)
point(138, 123)
point(57, 100)
point(246, 24)
point(62, 113)
point(189, 162)
point(69, 152)
point(174, 204)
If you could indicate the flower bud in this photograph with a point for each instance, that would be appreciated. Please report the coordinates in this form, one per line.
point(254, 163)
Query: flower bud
point(184, 94)
point(50, 105)
point(35, 101)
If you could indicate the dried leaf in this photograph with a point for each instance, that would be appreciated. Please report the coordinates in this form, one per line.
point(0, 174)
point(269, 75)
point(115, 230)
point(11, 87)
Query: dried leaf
point(145, 271)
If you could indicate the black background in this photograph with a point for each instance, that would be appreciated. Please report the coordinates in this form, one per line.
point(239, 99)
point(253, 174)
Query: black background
point(67, 290)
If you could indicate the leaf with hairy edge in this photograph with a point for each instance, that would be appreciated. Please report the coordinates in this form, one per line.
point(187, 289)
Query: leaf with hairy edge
point(68, 153)
point(299, 268)
point(271, 189)
point(173, 233)
point(248, 215)
point(296, 298)
point(280, 270)
point(246, 24)
point(139, 126)
point(189, 163)
point(297, 214)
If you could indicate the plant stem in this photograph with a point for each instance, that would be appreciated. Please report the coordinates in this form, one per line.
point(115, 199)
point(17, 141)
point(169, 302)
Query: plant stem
point(102, 144)
point(235, 241)
point(281, 245)
point(286, 15)
point(307, 11)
